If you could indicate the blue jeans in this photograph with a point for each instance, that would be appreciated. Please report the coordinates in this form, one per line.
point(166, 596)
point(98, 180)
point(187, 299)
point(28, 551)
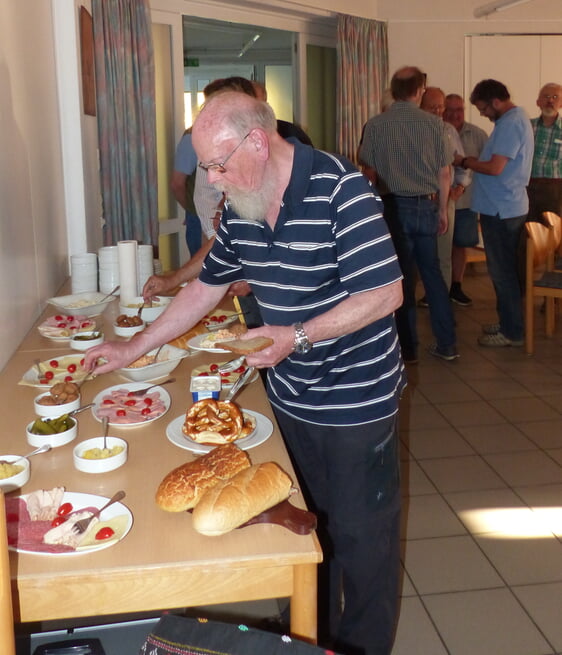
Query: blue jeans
point(501, 244)
point(193, 232)
point(350, 476)
point(413, 224)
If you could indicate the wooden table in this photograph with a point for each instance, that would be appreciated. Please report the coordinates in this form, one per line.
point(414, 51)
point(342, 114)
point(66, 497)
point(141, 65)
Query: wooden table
point(162, 563)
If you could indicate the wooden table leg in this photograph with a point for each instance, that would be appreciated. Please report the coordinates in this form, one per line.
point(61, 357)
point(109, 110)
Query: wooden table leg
point(7, 640)
point(304, 612)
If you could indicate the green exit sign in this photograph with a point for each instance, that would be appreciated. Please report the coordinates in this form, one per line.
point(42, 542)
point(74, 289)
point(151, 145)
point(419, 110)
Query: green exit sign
point(193, 62)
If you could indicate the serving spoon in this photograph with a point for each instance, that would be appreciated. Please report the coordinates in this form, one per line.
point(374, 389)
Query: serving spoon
point(42, 449)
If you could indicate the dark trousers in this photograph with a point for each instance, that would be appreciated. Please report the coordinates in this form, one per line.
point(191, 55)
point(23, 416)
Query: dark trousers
point(413, 223)
point(350, 477)
point(193, 236)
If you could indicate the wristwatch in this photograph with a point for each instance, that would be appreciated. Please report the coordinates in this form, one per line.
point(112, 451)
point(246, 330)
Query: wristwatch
point(302, 344)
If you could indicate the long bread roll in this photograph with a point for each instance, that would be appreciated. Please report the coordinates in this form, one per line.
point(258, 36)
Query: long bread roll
point(233, 502)
point(183, 487)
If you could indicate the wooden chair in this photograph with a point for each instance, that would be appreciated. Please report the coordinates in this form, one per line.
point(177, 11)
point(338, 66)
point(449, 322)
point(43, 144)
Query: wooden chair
point(541, 253)
point(7, 638)
point(555, 222)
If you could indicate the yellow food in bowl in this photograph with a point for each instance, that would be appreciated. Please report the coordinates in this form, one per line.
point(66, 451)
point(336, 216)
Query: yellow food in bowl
point(8, 470)
point(102, 453)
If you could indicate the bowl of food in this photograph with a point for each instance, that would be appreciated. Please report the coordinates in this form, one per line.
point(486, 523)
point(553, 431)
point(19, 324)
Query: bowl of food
point(53, 431)
point(84, 340)
point(151, 310)
point(14, 472)
point(146, 368)
point(62, 398)
point(91, 456)
point(126, 326)
point(87, 303)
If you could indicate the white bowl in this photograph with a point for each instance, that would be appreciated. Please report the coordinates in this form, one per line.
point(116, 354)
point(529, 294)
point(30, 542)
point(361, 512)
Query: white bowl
point(149, 313)
point(168, 359)
point(54, 440)
point(78, 342)
point(53, 411)
point(99, 465)
point(128, 331)
point(19, 479)
point(87, 303)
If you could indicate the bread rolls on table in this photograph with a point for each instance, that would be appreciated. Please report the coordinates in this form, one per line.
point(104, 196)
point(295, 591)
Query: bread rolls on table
point(183, 487)
point(232, 502)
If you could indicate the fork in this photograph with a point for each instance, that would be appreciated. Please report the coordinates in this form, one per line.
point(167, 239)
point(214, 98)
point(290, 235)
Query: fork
point(142, 392)
point(82, 525)
point(232, 365)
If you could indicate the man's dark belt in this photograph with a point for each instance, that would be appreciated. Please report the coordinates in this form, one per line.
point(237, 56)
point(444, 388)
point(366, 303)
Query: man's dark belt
point(425, 196)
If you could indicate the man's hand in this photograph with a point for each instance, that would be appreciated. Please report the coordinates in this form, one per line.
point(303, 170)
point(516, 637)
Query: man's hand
point(158, 285)
point(443, 225)
point(111, 355)
point(283, 344)
point(456, 192)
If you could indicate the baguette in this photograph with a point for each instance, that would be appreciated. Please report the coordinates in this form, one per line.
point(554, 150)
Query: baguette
point(247, 346)
point(231, 503)
point(183, 487)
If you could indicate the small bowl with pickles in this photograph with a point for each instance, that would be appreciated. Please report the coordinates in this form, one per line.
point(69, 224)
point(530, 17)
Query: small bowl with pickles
point(56, 431)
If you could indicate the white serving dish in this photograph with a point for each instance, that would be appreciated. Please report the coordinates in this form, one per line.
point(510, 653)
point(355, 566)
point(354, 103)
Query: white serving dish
point(77, 341)
point(54, 440)
point(149, 313)
point(168, 359)
point(99, 465)
point(87, 303)
point(18, 480)
point(53, 411)
point(128, 331)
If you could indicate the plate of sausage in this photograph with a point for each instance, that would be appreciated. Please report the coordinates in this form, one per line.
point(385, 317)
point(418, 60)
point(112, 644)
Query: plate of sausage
point(125, 410)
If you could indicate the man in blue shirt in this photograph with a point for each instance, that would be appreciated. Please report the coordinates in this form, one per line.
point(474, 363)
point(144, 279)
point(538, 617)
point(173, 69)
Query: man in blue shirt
point(501, 175)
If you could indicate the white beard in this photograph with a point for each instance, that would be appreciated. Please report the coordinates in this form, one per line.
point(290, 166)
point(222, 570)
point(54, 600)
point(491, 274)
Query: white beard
point(251, 205)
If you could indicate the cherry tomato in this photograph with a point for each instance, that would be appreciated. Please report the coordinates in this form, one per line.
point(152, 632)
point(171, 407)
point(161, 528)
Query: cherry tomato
point(58, 317)
point(71, 368)
point(121, 412)
point(43, 381)
point(105, 533)
point(49, 375)
point(202, 375)
point(68, 378)
point(240, 369)
point(145, 411)
point(108, 401)
point(85, 324)
point(225, 374)
point(82, 363)
point(58, 520)
point(53, 363)
point(70, 318)
point(131, 402)
point(148, 401)
point(214, 367)
point(222, 318)
point(61, 325)
point(65, 509)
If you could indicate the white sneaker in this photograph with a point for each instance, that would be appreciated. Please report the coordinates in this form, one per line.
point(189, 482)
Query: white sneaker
point(491, 328)
point(498, 340)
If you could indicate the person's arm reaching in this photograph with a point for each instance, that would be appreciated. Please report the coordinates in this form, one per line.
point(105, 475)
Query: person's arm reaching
point(493, 166)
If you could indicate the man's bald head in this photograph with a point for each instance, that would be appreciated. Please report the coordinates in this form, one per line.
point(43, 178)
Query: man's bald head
point(433, 101)
point(407, 83)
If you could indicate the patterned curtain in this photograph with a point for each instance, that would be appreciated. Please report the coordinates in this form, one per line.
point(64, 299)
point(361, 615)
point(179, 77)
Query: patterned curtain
point(362, 77)
point(125, 98)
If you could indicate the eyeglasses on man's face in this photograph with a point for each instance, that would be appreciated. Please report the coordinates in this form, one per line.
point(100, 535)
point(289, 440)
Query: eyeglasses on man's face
point(220, 167)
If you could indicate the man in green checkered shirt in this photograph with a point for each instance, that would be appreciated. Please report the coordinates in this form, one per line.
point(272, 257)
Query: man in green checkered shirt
point(545, 186)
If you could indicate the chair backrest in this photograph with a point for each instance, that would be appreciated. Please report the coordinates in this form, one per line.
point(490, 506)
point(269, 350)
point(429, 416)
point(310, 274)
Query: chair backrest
point(7, 639)
point(555, 223)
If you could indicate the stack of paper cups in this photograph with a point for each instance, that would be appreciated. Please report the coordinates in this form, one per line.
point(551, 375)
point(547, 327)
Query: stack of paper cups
point(128, 270)
point(145, 265)
point(84, 272)
point(108, 258)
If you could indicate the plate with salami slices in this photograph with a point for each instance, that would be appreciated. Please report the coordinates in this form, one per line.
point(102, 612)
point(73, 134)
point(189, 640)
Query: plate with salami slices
point(227, 379)
point(261, 433)
point(26, 535)
point(67, 368)
point(126, 410)
point(62, 326)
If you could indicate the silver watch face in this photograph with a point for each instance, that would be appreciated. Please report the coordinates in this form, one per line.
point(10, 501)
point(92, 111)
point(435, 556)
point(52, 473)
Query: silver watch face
point(302, 344)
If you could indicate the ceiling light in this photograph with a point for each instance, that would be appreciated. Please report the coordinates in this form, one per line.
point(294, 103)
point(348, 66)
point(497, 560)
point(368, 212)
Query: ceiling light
point(499, 5)
point(251, 42)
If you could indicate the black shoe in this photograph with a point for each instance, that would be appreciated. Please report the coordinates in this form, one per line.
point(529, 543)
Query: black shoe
point(422, 302)
point(457, 295)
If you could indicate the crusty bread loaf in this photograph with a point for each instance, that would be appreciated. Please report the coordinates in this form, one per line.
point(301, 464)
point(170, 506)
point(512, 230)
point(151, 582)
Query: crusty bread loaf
point(183, 487)
point(247, 346)
point(183, 339)
point(231, 503)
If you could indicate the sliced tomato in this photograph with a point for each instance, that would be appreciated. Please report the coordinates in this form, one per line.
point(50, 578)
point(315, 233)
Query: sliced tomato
point(71, 368)
point(58, 520)
point(68, 378)
point(49, 375)
point(147, 401)
point(108, 401)
point(105, 533)
point(65, 509)
point(53, 363)
point(58, 317)
point(131, 402)
point(145, 411)
point(214, 368)
point(61, 325)
point(121, 412)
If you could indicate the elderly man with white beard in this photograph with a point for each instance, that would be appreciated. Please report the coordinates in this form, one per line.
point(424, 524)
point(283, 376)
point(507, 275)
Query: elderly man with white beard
point(304, 228)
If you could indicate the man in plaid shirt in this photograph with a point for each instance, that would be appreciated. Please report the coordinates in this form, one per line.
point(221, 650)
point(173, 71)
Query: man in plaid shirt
point(545, 186)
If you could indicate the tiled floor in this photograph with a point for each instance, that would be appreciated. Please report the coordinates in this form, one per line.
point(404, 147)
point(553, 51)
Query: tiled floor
point(482, 482)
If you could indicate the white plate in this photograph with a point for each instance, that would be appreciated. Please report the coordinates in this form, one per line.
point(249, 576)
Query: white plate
point(261, 433)
point(54, 333)
point(31, 376)
point(230, 317)
point(132, 386)
point(195, 344)
point(226, 382)
point(78, 501)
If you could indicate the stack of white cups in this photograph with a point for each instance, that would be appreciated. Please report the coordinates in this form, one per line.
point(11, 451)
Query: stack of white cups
point(84, 272)
point(128, 270)
point(145, 265)
point(108, 258)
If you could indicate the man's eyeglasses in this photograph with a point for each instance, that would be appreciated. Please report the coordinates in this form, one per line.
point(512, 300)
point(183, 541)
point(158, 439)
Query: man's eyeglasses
point(219, 167)
point(550, 97)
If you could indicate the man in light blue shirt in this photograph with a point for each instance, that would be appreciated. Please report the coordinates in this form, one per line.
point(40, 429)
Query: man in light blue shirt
point(501, 175)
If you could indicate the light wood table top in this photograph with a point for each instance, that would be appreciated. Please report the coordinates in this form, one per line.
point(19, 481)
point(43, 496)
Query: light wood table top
point(162, 562)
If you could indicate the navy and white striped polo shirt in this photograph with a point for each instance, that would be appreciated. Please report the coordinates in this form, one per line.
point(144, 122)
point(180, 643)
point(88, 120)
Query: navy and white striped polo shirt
point(330, 242)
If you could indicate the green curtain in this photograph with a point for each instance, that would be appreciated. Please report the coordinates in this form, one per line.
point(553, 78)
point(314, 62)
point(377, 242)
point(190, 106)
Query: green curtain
point(126, 114)
point(362, 77)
